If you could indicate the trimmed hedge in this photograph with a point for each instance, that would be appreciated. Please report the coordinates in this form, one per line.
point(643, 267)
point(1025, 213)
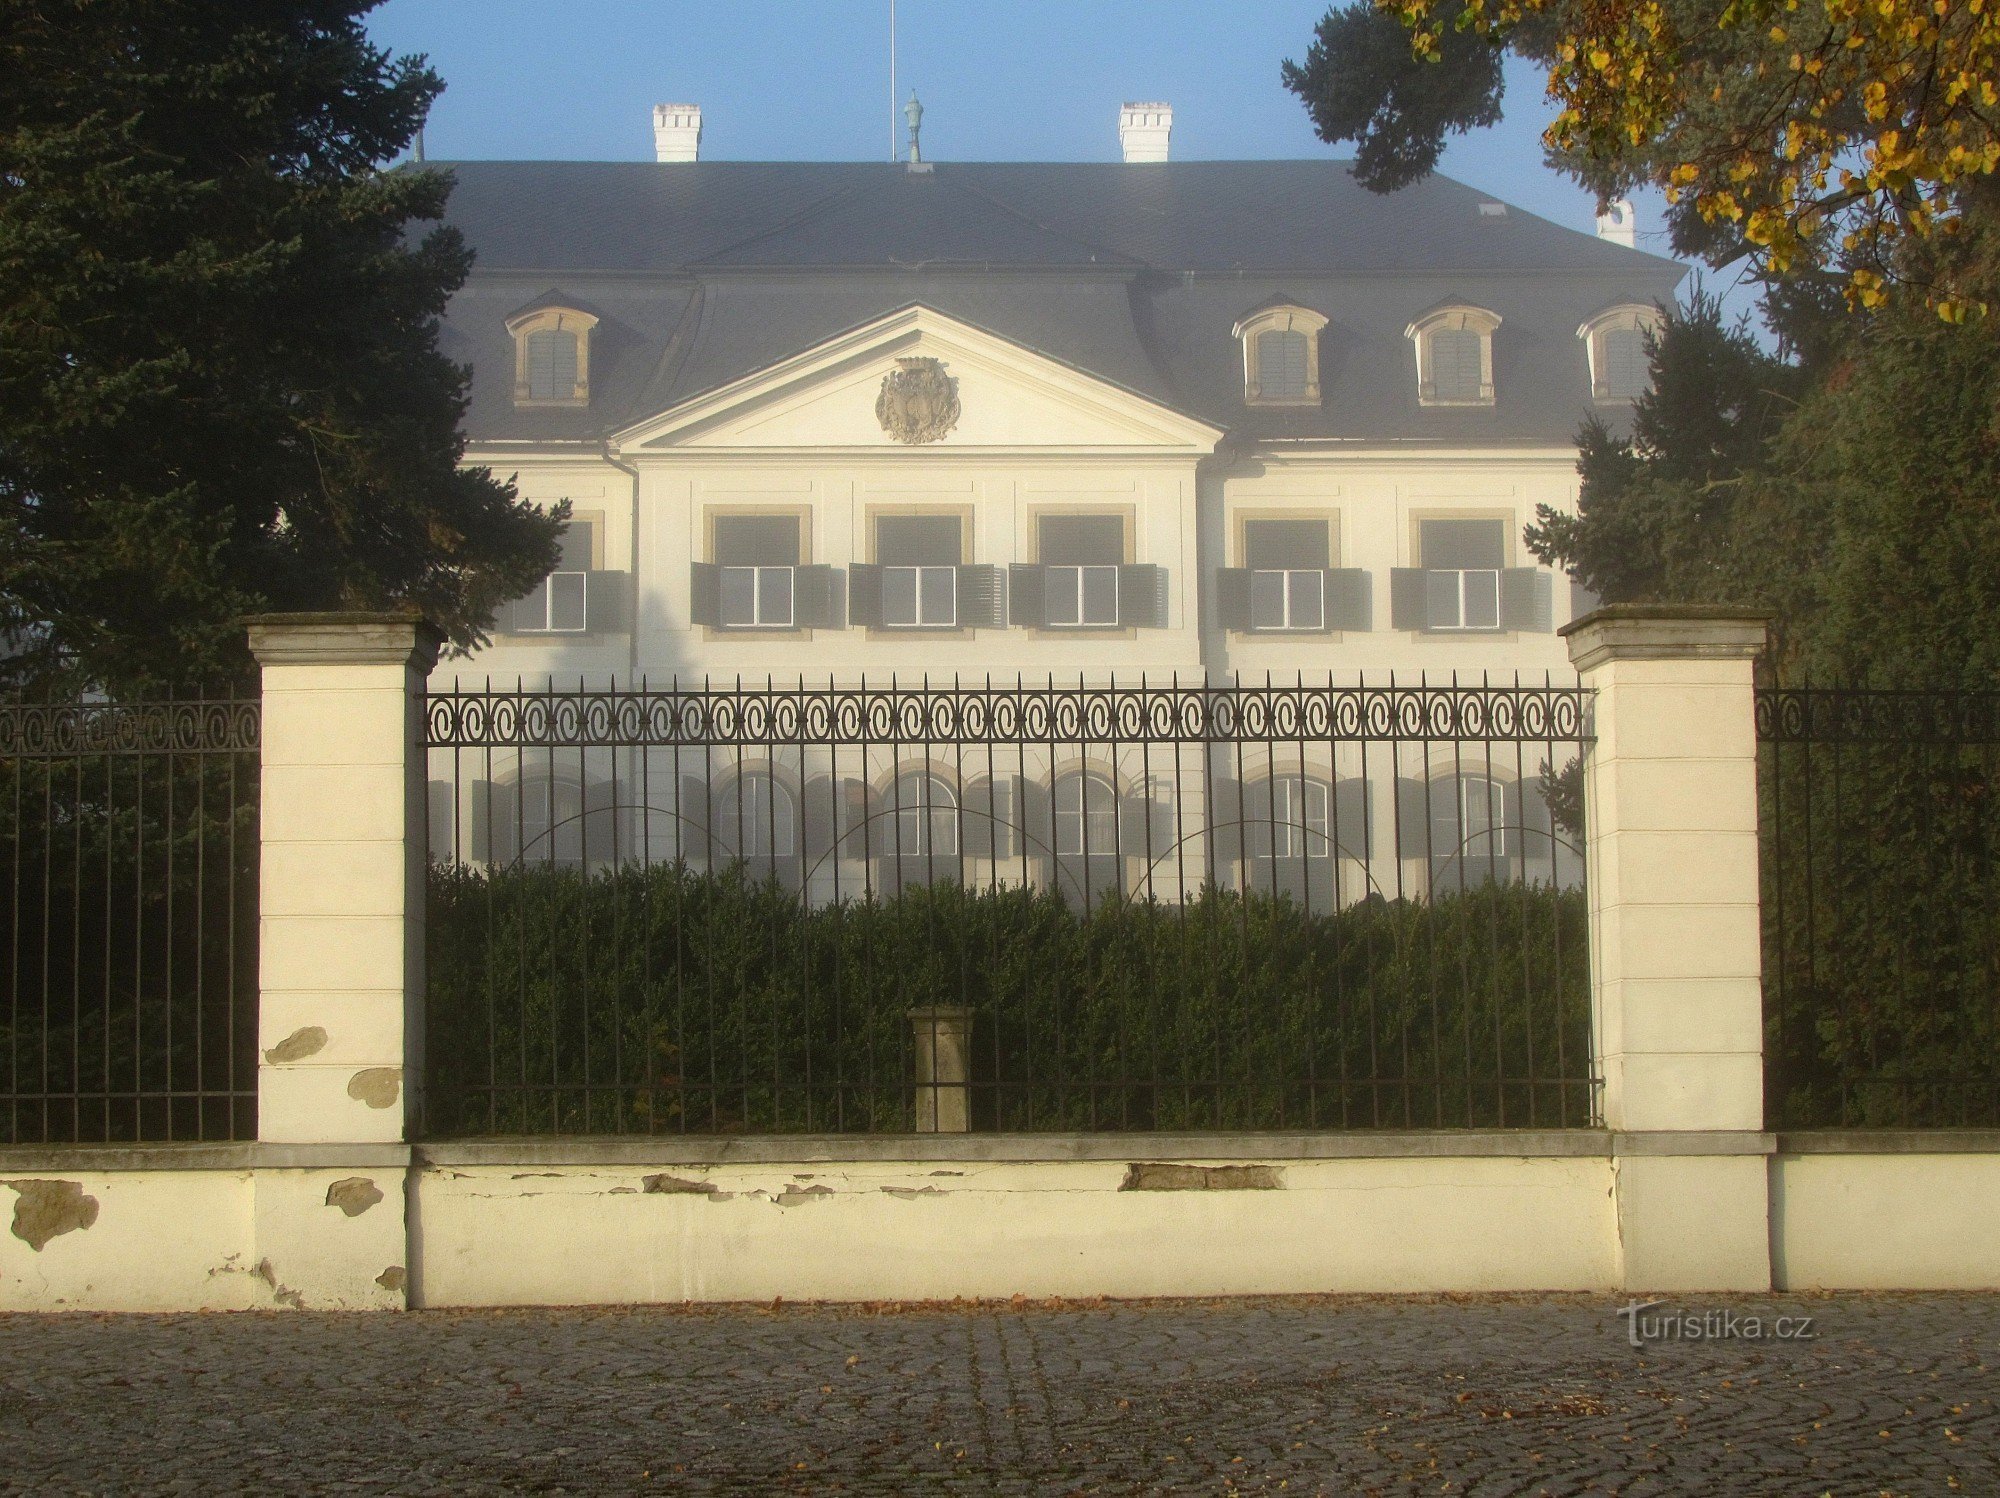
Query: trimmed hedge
point(667, 999)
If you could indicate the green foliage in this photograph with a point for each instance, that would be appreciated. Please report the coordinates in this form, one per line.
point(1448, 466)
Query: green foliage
point(666, 1000)
point(220, 389)
point(1361, 82)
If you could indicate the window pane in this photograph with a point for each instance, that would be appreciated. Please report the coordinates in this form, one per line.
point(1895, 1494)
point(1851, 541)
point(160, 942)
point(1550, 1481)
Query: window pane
point(1286, 543)
point(1441, 600)
point(1267, 600)
point(567, 602)
point(1482, 600)
point(757, 540)
point(576, 547)
point(1281, 365)
point(1100, 595)
point(1064, 587)
point(916, 540)
point(1073, 540)
point(1308, 590)
point(1456, 372)
point(774, 595)
point(739, 595)
point(534, 612)
point(940, 596)
point(899, 595)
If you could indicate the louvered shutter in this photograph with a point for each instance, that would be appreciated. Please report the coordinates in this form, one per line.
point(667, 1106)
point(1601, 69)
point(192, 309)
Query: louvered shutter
point(979, 597)
point(1525, 599)
point(864, 594)
point(1281, 365)
point(1142, 596)
point(1027, 596)
point(691, 825)
point(1350, 598)
point(817, 603)
point(1415, 801)
point(608, 602)
point(479, 835)
point(1407, 609)
point(705, 598)
point(1232, 598)
point(858, 839)
point(1353, 829)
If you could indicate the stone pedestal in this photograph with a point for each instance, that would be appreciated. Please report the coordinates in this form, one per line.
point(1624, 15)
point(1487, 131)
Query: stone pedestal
point(941, 1036)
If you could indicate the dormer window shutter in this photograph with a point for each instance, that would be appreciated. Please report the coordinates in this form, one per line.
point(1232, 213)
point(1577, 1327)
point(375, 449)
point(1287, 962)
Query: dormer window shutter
point(552, 365)
point(1281, 365)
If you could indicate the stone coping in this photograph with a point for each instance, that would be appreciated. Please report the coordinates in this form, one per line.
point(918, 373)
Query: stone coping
point(834, 1149)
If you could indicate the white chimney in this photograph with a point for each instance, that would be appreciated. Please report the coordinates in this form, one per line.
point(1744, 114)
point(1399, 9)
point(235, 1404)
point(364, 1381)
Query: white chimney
point(677, 132)
point(1615, 223)
point(1144, 130)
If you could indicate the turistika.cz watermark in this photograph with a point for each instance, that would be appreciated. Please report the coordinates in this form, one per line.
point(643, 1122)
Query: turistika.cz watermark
point(1655, 1321)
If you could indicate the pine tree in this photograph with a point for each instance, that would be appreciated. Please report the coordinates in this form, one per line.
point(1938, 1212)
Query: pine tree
point(220, 386)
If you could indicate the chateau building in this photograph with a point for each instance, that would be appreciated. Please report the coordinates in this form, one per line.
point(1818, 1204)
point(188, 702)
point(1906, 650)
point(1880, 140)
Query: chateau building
point(1069, 421)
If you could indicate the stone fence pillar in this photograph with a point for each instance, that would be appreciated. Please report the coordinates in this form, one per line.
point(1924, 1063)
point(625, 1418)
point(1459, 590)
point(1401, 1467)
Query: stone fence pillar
point(942, 1037)
point(341, 969)
point(1670, 808)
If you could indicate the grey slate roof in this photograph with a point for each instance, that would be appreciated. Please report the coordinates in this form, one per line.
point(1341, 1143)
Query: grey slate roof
point(705, 272)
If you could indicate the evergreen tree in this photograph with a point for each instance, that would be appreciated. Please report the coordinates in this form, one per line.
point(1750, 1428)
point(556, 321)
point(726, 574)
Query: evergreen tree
point(220, 387)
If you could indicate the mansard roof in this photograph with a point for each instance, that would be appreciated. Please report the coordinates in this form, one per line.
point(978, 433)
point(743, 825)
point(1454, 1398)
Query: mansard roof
point(705, 272)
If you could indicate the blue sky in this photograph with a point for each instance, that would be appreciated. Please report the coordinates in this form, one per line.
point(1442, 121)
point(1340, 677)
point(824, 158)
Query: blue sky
point(1022, 80)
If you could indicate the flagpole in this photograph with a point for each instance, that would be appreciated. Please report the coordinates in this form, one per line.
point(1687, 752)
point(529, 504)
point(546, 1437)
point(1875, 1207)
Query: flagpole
point(892, 80)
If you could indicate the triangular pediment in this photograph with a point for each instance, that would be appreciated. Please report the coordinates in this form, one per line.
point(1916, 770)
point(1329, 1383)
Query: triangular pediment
point(1010, 399)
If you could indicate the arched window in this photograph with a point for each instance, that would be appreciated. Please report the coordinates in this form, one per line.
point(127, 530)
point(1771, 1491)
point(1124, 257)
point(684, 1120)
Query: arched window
point(1086, 816)
point(551, 355)
point(550, 821)
point(1281, 355)
point(926, 823)
point(1454, 348)
point(1615, 344)
point(756, 817)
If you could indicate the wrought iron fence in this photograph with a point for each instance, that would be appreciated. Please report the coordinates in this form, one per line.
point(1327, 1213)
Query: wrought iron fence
point(128, 863)
point(1881, 897)
point(756, 909)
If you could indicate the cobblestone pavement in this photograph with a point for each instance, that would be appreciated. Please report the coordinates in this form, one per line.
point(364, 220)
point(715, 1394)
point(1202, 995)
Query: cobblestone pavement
point(1433, 1395)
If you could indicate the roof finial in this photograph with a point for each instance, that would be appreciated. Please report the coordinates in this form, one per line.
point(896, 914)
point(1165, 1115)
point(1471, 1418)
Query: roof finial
point(914, 113)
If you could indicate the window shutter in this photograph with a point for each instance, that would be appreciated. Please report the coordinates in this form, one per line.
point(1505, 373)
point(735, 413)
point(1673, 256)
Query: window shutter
point(1525, 599)
point(981, 812)
point(1232, 598)
point(1353, 829)
point(818, 604)
point(1258, 807)
point(1406, 599)
point(1027, 595)
point(858, 839)
point(705, 604)
point(1142, 595)
point(820, 819)
point(864, 594)
point(608, 602)
point(477, 841)
point(1582, 600)
point(1350, 598)
point(979, 600)
point(604, 840)
point(1227, 811)
point(1034, 820)
point(1416, 800)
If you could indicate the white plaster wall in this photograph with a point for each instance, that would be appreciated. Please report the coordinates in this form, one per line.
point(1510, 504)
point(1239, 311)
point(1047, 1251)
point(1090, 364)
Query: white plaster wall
point(494, 1235)
point(1885, 1222)
point(154, 1241)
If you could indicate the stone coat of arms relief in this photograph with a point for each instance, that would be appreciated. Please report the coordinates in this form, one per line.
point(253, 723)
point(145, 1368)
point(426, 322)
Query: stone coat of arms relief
point(919, 401)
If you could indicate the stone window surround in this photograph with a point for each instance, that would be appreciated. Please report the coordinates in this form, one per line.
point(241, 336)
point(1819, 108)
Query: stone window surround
point(1458, 316)
point(1281, 319)
point(1634, 316)
point(552, 320)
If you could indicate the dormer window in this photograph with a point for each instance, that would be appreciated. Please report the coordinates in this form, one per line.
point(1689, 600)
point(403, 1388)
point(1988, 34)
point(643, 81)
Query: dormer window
point(1281, 356)
point(1615, 342)
point(1454, 356)
point(551, 356)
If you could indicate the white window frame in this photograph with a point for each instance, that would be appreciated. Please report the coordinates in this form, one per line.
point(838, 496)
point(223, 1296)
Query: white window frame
point(926, 578)
point(1456, 318)
point(1486, 836)
point(552, 320)
point(553, 809)
point(1629, 317)
point(760, 616)
point(1073, 573)
point(1465, 575)
point(926, 817)
point(557, 581)
point(1280, 319)
point(1074, 836)
point(1298, 828)
point(1311, 578)
point(763, 811)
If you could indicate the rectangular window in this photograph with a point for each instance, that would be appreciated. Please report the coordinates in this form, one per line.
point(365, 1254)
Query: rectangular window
point(560, 604)
point(1288, 600)
point(1621, 372)
point(1462, 563)
point(759, 558)
point(552, 366)
point(1281, 365)
point(1298, 816)
point(1080, 556)
point(919, 557)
